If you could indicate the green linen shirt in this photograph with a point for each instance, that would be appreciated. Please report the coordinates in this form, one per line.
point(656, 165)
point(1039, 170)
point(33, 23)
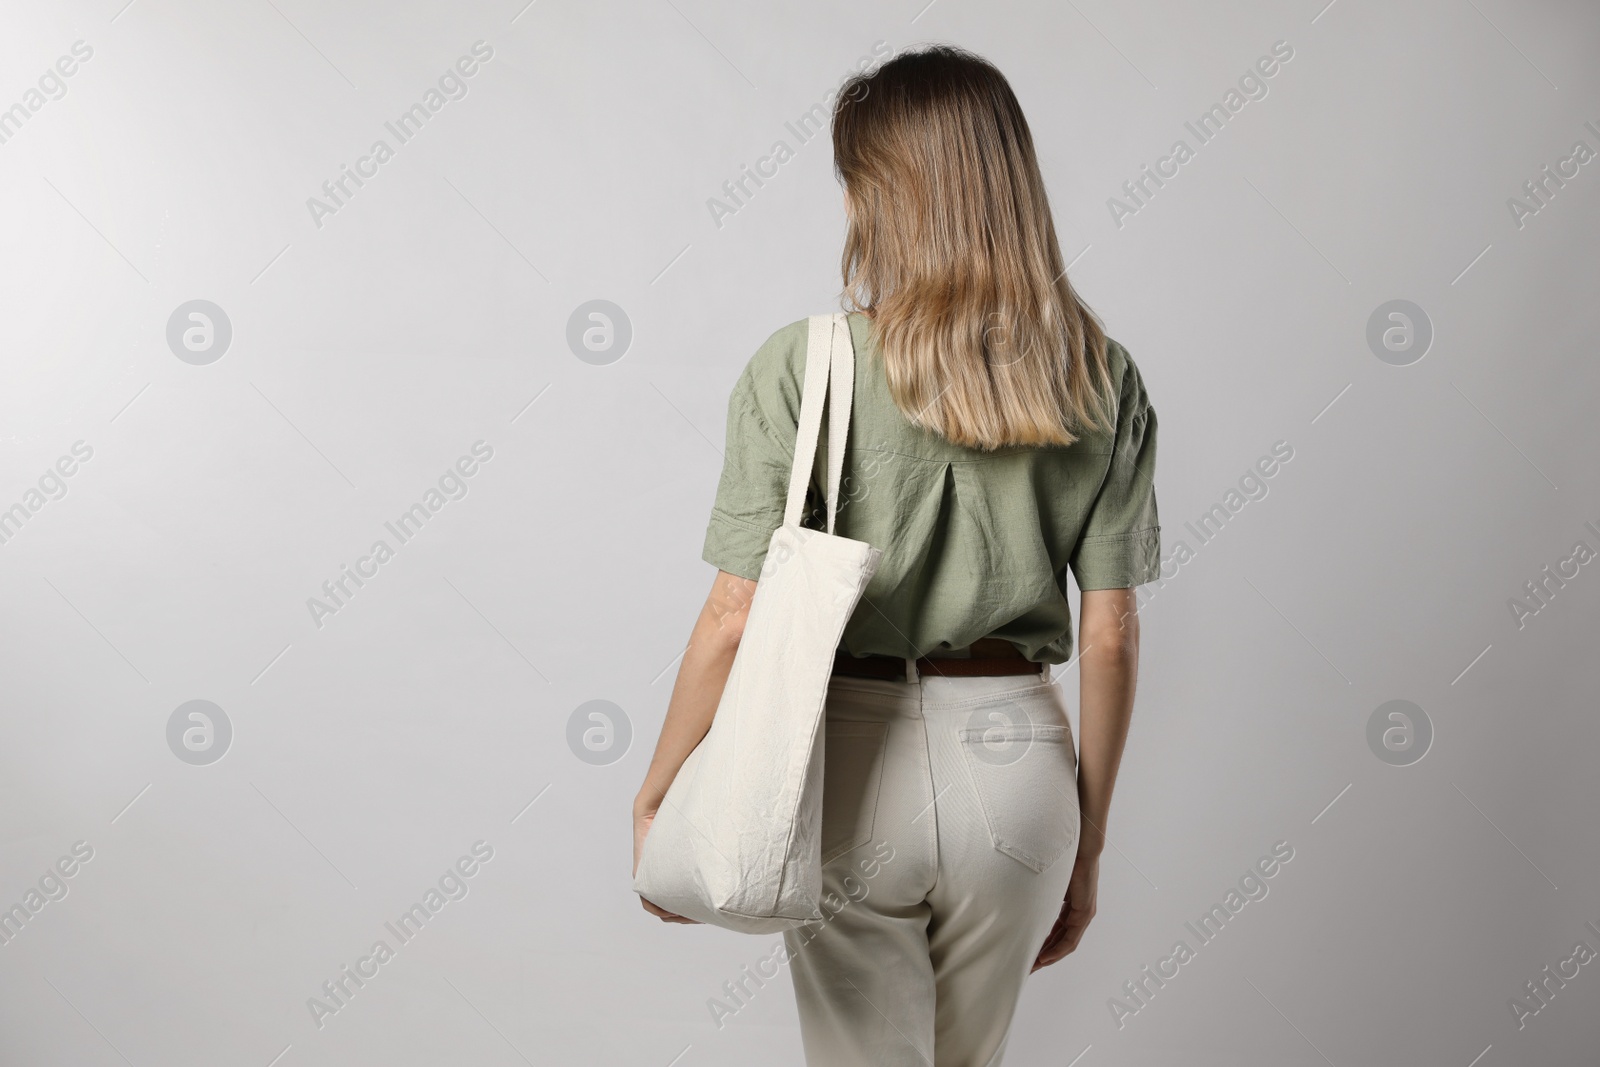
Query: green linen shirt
point(975, 544)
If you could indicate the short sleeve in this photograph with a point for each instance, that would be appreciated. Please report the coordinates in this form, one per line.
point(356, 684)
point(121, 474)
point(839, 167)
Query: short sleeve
point(763, 411)
point(1120, 543)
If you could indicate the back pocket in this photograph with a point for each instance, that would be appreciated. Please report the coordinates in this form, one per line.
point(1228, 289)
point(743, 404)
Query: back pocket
point(852, 769)
point(1026, 778)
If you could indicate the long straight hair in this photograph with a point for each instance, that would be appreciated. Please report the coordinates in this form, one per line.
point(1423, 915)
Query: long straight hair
point(952, 253)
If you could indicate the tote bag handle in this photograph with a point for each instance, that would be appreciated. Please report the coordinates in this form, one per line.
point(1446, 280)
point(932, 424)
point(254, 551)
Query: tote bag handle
point(830, 372)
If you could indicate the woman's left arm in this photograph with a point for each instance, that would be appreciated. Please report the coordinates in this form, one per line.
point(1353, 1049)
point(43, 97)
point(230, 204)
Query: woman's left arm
point(695, 695)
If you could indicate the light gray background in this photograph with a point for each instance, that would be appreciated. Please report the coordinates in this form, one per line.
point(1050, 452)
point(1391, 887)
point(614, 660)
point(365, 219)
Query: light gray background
point(430, 312)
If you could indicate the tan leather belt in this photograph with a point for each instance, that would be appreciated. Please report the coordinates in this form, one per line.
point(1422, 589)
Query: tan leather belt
point(990, 656)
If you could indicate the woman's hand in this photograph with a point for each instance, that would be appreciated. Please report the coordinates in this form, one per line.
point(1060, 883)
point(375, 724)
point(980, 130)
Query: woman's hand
point(1076, 910)
point(642, 818)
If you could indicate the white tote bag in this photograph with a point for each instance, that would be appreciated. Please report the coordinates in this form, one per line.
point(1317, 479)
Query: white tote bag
point(737, 840)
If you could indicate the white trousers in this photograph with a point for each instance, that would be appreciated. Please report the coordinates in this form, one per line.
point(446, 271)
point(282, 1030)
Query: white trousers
point(949, 831)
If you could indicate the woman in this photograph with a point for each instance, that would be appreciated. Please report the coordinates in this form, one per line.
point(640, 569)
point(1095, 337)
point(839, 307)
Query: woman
point(998, 441)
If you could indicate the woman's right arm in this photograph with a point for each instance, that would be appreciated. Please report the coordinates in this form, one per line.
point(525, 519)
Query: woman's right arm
point(701, 678)
point(1108, 667)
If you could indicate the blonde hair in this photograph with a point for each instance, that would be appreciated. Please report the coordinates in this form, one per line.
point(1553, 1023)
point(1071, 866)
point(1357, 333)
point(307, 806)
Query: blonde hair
point(952, 253)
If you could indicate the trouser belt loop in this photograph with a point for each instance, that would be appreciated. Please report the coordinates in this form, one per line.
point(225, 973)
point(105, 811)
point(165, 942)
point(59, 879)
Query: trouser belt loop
point(911, 669)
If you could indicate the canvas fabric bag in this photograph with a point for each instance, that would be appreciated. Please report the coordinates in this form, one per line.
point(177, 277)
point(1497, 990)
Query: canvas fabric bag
point(736, 842)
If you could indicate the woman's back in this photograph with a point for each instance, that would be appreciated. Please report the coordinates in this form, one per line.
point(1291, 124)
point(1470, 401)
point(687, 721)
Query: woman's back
point(976, 543)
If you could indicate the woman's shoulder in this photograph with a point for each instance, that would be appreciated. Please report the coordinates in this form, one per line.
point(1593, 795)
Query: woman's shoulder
point(783, 354)
point(773, 378)
point(1127, 384)
point(1119, 363)
point(777, 370)
point(771, 381)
